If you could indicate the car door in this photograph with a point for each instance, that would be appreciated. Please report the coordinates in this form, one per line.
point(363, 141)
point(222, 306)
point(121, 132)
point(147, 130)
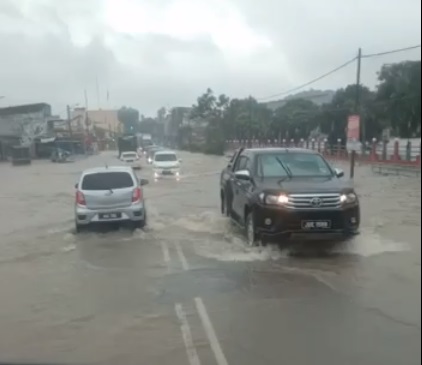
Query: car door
point(246, 189)
point(238, 186)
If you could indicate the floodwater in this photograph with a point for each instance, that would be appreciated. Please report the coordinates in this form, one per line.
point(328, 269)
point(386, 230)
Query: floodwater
point(186, 290)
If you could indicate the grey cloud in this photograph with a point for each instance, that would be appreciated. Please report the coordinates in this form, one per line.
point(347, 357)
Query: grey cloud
point(10, 8)
point(319, 35)
point(153, 70)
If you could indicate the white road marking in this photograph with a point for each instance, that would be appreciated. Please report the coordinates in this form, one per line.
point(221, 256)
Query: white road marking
point(182, 257)
point(187, 336)
point(209, 329)
point(166, 253)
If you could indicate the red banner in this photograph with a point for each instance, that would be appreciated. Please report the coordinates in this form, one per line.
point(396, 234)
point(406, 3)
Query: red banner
point(353, 128)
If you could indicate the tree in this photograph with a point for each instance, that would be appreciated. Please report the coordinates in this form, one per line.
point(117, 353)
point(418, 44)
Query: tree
point(333, 117)
point(212, 109)
point(296, 119)
point(399, 97)
point(129, 117)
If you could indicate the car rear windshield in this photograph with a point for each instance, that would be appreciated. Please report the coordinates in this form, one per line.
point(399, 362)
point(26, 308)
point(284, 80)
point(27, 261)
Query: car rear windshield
point(107, 181)
point(129, 155)
point(163, 157)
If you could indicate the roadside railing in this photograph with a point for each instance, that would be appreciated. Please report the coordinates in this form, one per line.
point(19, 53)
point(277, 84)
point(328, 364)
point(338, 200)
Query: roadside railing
point(376, 152)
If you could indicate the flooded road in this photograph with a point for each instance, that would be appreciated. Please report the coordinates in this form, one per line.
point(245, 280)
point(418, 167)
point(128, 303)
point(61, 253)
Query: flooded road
point(187, 290)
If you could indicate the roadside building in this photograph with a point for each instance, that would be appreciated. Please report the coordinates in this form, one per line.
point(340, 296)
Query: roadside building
point(22, 124)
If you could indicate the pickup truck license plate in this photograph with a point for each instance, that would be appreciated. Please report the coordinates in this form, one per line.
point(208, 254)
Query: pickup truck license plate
point(110, 216)
point(311, 225)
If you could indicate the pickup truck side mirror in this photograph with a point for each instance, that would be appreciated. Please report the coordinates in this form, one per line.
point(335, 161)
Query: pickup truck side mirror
point(244, 175)
point(339, 173)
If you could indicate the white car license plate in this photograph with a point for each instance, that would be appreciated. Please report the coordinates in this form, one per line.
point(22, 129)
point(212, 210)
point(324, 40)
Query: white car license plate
point(310, 225)
point(110, 216)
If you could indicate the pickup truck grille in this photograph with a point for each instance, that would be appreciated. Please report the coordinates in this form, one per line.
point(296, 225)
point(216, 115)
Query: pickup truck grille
point(314, 201)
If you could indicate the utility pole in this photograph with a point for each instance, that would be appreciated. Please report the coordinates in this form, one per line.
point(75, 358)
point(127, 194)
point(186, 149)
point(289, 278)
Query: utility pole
point(358, 97)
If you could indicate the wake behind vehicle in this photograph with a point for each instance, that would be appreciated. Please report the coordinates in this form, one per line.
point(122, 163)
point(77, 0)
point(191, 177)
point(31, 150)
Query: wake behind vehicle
point(166, 163)
point(276, 192)
point(131, 159)
point(110, 195)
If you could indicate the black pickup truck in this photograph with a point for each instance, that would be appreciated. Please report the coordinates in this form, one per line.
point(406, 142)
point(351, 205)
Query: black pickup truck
point(276, 192)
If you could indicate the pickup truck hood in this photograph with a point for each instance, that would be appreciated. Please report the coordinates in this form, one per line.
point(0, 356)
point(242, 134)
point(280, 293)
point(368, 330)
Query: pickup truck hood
point(166, 164)
point(306, 185)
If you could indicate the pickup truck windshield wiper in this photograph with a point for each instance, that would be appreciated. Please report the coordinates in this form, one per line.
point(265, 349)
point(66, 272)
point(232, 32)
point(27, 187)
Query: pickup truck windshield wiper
point(285, 167)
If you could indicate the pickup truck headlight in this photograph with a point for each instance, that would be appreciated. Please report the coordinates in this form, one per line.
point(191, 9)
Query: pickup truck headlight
point(349, 198)
point(274, 199)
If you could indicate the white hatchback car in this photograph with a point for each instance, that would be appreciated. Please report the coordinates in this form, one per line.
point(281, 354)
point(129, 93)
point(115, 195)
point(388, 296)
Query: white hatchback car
point(166, 163)
point(131, 159)
point(110, 194)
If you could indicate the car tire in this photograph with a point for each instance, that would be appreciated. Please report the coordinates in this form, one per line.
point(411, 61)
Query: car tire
point(252, 238)
point(79, 228)
point(225, 206)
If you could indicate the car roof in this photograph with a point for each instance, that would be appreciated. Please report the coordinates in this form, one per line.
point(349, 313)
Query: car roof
point(129, 152)
point(104, 169)
point(165, 152)
point(269, 150)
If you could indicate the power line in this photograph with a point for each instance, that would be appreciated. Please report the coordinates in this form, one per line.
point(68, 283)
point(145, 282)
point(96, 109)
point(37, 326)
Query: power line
point(311, 82)
point(391, 52)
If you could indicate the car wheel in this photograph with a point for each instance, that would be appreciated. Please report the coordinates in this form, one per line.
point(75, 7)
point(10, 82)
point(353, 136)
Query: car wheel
point(140, 224)
point(79, 228)
point(250, 230)
point(225, 206)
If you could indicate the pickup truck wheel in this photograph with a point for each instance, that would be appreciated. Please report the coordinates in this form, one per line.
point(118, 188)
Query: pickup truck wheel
point(225, 206)
point(250, 228)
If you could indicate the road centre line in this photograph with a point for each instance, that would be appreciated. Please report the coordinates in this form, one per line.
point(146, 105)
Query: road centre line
point(187, 336)
point(204, 317)
point(182, 256)
point(210, 332)
point(166, 253)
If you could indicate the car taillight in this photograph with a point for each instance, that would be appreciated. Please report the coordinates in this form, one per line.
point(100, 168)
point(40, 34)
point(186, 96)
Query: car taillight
point(80, 198)
point(137, 195)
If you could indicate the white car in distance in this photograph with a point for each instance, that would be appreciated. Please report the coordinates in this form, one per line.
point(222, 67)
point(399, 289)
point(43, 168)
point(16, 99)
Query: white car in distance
point(131, 159)
point(166, 163)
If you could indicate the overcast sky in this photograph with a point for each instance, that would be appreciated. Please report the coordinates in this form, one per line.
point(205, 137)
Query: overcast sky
point(153, 53)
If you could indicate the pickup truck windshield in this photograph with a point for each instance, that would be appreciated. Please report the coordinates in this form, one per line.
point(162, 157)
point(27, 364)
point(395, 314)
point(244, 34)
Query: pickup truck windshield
point(294, 164)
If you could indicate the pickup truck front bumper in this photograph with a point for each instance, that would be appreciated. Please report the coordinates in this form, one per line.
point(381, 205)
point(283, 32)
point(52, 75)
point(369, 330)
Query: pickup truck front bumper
point(278, 221)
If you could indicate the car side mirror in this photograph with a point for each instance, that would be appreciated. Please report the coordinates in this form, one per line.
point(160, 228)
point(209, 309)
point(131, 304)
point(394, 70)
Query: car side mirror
point(339, 173)
point(143, 182)
point(242, 175)
point(76, 186)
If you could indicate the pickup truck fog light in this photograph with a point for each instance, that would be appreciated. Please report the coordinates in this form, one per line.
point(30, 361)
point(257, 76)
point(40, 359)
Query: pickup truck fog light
point(268, 222)
point(353, 220)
